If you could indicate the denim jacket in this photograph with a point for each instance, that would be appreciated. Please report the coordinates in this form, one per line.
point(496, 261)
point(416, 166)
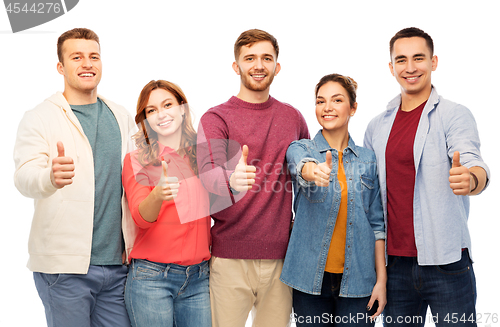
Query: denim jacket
point(316, 211)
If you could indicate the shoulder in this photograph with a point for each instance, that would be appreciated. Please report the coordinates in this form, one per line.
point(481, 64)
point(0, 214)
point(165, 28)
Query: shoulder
point(220, 111)
point(288, 109)
point(365, 153)
point(447, 107)
point(114, 106)
point(45, 111)
point(303, 143)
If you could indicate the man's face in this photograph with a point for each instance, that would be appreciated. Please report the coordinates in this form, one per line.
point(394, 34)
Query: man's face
point(81, 65)
point(257, 66)
point(412, 64)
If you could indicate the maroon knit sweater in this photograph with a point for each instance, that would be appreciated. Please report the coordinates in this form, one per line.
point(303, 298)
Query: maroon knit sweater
point(253, 224)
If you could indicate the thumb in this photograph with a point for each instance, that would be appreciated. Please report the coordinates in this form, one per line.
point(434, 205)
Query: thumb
point(244, 155)
point(60, 149)
point(329, 159)
point(165, 168)
point(456, 160)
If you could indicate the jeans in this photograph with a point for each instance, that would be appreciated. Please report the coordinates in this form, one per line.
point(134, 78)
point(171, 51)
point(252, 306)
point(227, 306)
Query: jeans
point(161, 294)
point(449, 290)
point(83, 300)
point(329, 309)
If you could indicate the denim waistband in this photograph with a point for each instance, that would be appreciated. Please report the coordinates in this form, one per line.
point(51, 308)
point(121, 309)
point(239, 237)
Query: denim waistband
point(172, 267)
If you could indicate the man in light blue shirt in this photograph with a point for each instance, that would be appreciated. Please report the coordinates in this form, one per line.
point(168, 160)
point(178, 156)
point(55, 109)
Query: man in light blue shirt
point(429, 163)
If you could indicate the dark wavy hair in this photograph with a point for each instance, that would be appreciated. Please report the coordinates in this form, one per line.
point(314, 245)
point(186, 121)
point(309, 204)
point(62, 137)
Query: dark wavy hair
point(146, 139)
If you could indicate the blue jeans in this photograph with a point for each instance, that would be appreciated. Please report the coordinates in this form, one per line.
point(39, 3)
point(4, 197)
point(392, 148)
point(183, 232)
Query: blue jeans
point(329, 309)
point(449, 290)
point(83, 300)
point(160, 294)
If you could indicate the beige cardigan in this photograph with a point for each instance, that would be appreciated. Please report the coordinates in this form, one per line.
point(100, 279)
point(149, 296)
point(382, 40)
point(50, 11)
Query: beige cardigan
point(61, 232)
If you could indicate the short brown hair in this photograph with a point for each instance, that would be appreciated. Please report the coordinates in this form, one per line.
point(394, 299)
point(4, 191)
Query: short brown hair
point(411, 32)
point(76, 33)
point(249, 37)
point(346, 82)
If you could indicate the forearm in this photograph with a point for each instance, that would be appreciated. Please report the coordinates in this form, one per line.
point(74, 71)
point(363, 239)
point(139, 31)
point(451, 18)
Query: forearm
point(150, 207)
point(480, 173)
point(380, 261)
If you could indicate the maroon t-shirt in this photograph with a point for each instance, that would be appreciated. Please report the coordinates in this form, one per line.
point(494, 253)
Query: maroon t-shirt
point(400, 170)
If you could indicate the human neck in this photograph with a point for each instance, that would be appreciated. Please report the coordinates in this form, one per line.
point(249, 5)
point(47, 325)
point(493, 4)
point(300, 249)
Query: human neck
point(411, 101)
point(253, 96)
point(172, 141)
point(80, 98)
point(337, 139)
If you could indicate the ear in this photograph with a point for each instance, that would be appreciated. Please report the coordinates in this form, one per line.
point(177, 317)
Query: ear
point(354, 108)
point(391, 68)
point(60, 68)
point(236, 68)
point(434, 62)
point(277, 69)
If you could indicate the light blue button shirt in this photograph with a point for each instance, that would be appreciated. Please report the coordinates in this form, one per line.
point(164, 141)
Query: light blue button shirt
point(439, 216)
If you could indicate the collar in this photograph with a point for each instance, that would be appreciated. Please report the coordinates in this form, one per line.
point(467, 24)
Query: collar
point(431, 102)
point(256, 106)
point(323, 145)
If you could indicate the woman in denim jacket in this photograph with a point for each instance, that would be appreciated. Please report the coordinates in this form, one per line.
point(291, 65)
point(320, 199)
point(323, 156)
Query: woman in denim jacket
point(335, 260)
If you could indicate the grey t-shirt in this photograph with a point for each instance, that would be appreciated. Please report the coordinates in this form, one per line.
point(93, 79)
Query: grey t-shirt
point(102, 130)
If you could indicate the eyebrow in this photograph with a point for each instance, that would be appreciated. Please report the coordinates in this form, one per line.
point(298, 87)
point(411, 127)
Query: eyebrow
point(256, 54)
point(333, 96)
point(81, 53)
point(166, 100)
point(414, 56)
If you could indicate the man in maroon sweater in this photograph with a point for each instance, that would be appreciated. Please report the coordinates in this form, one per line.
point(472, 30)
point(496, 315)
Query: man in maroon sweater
point(250, 188)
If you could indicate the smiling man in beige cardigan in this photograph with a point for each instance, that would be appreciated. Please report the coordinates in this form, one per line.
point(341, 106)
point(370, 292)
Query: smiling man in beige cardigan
point(68, 156)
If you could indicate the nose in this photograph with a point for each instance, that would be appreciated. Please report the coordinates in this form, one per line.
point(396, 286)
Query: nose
point(162, 112)
point(410, 67)
point(328, 106)
point(259, 64)
point(86, 62)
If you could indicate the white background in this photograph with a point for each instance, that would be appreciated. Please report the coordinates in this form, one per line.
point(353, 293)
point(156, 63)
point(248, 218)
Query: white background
point(191, 43)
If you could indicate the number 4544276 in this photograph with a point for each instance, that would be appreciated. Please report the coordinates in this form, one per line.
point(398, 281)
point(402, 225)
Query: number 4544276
point(479, 318)
point(35, 8)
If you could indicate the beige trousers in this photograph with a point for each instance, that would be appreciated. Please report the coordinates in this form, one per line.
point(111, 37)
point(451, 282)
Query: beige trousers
point(238, 286)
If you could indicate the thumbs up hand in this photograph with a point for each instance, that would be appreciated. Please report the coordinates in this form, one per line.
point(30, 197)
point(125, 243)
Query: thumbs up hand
point(460, 178)
point(244, 175)
point(63, 168)
point(167, 187)
point(322, 171)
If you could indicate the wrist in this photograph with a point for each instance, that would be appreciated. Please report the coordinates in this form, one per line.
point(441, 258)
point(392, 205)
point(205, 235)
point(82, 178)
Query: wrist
point(475, 180)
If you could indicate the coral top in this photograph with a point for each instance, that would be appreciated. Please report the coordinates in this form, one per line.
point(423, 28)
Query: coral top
point(181, 234)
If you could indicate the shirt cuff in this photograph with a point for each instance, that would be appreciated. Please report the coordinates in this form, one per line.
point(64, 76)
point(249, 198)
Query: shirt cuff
point(300, 165)
point(379, 235)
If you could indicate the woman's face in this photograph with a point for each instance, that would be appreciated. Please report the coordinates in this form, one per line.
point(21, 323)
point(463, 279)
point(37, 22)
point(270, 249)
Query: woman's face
point(333, 109)
point(165, 115)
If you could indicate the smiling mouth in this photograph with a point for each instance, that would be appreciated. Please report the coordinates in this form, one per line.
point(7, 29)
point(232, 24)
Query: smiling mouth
point(86, 75)
point(412, 78)
point(329, 116)
point(260, 76)
point(165, 123)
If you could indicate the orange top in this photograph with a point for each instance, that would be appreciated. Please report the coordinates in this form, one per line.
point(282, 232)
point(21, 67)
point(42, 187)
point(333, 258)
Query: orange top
point(336, 253)
point(181, 234)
